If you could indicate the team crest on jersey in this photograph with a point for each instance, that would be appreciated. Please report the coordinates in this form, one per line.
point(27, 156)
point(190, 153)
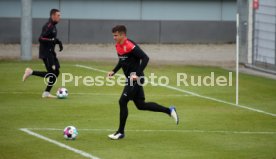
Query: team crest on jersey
point(125, 48)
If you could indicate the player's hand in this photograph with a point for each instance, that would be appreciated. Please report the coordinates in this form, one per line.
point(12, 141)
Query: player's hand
point(110, 74)
point(57, 41)
point(60, 46)
point(134, 77)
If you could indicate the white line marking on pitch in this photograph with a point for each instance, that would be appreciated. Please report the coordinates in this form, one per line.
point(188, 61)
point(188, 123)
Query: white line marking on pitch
point(180, 131)
point(80, 152)
point(189, 92)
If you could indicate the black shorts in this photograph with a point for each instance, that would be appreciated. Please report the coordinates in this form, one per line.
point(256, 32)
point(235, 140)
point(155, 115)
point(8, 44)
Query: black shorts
point(51, 63)
point(135, 92)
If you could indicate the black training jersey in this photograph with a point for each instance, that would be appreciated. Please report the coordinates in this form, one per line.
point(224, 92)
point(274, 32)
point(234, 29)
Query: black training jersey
point(47, 45)
point(131, 58)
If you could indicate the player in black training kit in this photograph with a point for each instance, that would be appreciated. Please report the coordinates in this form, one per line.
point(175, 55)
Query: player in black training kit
point(47, 42)
point(133, 61)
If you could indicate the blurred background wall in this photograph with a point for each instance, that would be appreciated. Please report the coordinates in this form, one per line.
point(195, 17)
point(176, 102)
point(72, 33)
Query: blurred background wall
point(148, 21)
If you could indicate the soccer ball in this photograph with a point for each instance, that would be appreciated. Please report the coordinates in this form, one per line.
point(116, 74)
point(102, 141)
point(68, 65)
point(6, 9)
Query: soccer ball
point(70, 133)
point(62, 93)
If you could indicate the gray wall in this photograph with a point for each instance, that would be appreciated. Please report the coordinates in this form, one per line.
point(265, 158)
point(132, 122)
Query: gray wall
point(148, 21)
point(99, 31)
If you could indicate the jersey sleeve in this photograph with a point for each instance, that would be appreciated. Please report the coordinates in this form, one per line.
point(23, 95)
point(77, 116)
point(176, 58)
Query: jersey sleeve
point(117, 67)
point(139, 53)
point(46, 31)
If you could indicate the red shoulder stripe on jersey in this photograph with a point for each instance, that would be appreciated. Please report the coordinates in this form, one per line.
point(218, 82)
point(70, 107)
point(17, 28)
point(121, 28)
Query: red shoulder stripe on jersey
point(42, 38)
point(125, 48)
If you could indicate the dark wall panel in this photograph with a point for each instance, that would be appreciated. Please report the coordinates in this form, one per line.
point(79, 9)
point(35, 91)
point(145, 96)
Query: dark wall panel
point(9, 30)
point(197, 32)
point(99, 31)
point(90, 31)
point(62, 27)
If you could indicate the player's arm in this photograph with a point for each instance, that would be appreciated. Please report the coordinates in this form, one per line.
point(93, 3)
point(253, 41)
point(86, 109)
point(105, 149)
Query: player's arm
point(139, 53)
point(44, 37)
point(116, 69)
point(46, 31)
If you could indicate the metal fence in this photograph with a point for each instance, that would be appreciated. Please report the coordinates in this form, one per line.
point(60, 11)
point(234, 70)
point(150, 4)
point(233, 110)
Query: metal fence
point(264, 35)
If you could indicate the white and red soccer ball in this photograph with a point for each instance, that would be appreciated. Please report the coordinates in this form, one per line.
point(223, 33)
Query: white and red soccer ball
point(62, 93)
point(70, 133)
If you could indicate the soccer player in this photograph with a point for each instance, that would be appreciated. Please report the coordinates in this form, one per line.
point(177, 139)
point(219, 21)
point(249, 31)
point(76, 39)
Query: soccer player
point(47, 43)
point(133, 61)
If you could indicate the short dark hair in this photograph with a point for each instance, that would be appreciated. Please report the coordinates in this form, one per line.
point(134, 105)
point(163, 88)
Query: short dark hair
point(120, 29)
point(53, 11)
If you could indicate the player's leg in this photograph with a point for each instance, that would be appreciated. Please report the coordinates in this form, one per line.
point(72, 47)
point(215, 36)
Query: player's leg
point(52, 80)
point(139, 101)
point(124, 99)
point(29, 71)
point(52, 66)
point(53, 72)
point(43, 73)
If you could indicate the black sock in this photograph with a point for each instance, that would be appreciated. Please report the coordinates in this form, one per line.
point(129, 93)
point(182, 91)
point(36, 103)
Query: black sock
point(151, 106)
point(39, 73)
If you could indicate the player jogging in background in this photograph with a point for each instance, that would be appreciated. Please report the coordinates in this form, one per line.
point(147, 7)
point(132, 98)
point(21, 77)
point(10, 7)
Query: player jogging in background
point(133, 61)
point(47, 42)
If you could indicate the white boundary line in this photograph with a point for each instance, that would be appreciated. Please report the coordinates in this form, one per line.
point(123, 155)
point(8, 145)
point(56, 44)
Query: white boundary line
point(178, 131)
point(191, 93)
point(80, 152)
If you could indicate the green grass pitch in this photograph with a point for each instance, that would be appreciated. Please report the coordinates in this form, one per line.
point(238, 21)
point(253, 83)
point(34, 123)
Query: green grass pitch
point(207, 129)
